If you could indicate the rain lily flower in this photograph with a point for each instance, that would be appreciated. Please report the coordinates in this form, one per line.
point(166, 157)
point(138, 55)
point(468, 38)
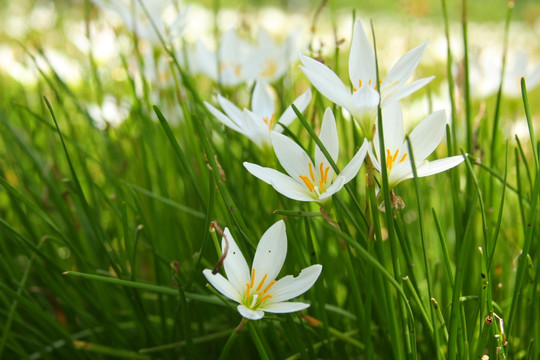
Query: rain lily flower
point(273, 58)
point(308, 181)
point(259, 122)
point(425, 137)
point(237, 60)
point(169, 20)
point(485, 73)
point(232, 64)
point(257, 291)
point(363, 101)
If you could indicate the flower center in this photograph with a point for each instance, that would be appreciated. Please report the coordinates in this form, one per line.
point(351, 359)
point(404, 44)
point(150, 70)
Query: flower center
point(369, 84)
point(255, 297)
point(270, 122)
point(391, 159)
point(236, 68)
point(270, 68)
point(311, 180)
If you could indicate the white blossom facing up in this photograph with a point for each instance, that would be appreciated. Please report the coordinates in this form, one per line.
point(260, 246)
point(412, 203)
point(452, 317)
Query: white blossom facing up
point(308, 181)
point(363, 101)
point(424, 140)
point(259, 122)
point(257, 291)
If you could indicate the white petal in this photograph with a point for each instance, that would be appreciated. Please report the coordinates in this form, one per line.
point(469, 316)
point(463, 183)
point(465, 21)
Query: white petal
point(373, 158)
point(399, 92)
point(393, 128)
point(291, 156)
point(365, 99)
point(402, 171)
point(255, 128)
point(403, 69)
point(222, 285)
point(352, 168)
point(289, 115)
point(282, 183)
point(262, 103)
point(437, 166)
point(337, 184)
point(326, 81)
point(230, 109)
point(270, 255)
point(329, 138)
point(223, 118)
point(285, 307)
point(427, 135)
point(204, 61)
point(289, 287)
point(235, 264)
point(361, 57)
point(250, 314)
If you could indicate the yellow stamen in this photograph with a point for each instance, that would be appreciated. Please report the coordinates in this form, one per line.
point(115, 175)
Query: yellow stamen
point(266, 297)
point(252, 278)
point(237, 70)
point(271, 122)
point(311, 172)
point(270, 68)
point(308, 182)
point(269, 286)
point(389, 160)
point(247, 292)
point(321, 187)
point(395, 155)
point(369, 82)
point(403, 158)
point(262, 282)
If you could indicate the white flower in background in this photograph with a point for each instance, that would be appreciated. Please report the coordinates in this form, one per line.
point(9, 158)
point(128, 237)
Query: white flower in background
point(517, 69)
point(259, 122)
point(112, 112)
point(485, 68)
point(425, 138)
point(237, 60)
point(165, 14)
point(257, 291)
point(362, 103)
point(232, 64)
point(308, 181)
point(273, 58)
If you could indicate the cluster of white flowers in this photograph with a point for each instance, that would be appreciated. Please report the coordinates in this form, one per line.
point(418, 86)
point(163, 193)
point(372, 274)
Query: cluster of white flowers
point(237, 61)
point(308, 180)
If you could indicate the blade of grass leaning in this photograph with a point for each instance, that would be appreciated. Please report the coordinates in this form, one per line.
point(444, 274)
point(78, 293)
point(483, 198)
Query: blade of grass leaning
point(424, 250)
point(530, 228)
point(403, 324)
point(144, 287)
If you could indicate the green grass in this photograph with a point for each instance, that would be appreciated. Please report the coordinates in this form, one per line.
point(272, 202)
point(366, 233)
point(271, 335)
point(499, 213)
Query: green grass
point(104, 233)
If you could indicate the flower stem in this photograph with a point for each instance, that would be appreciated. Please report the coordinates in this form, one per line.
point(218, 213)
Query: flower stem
point(257, 340)
point(232, 338)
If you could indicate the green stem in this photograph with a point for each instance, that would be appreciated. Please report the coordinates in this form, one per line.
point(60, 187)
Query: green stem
point(232, 338)
point(257, 340)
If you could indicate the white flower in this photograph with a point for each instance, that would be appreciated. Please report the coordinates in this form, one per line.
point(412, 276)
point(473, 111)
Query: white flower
point(425, 138)
point(232, 64)
point(257, 291)
point(164, 14)
point(259, 122)
point(308, 181)
point(362, 103)
point(273, 58)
